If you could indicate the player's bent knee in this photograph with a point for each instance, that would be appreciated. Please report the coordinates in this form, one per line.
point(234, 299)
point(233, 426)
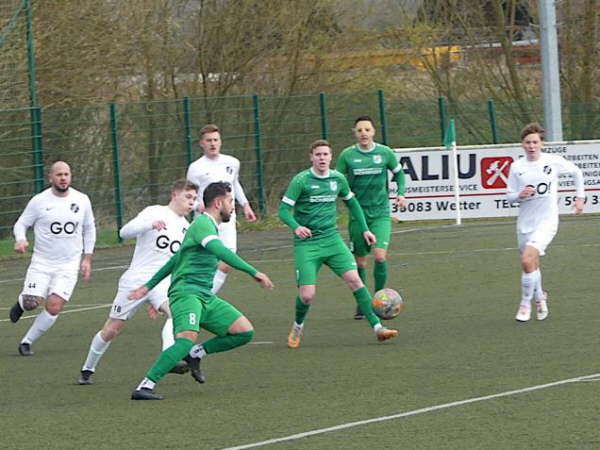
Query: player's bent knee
point(189, 335)
point(111, 329)
point(245, 337)
point(307, 299)
point(30, 302)
point(241, 325)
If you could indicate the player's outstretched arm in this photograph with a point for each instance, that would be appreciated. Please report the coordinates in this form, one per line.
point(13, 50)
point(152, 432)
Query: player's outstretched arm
point(137, 226)
point(162, 273)
point(264, 280)
point(138, 293)
point(216, 247)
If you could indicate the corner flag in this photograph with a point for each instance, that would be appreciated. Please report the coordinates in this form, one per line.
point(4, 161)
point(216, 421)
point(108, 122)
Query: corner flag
point(450, 144)
point(450, 135)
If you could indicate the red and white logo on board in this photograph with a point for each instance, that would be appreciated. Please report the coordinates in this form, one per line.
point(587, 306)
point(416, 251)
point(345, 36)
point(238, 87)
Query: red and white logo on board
point(494, 172)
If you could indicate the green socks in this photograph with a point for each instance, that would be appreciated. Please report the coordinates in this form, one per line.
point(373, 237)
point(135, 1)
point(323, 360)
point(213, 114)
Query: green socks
point(301, 310)
point(380, 274)
point(168, 358)
point(362, 273)
point(227, 342)
point(363, 298)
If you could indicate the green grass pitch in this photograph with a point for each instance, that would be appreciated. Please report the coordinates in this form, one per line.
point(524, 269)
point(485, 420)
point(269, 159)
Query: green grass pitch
point(458, 340)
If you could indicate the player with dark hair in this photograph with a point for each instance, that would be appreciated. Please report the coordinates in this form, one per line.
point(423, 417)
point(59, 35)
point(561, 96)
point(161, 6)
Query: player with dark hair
point(159, 231)
point(533, 183)
point(312, 195)
point(63, 225)
point(192, 303)
point(366, 165)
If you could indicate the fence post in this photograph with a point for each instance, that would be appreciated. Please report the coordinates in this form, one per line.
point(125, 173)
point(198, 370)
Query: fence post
point(36, 143)
point(323, 107)
point(257, 146)
point(443, 114)
point(381, 101)
point(114, 134)
point(187, 123)
point(492, 116)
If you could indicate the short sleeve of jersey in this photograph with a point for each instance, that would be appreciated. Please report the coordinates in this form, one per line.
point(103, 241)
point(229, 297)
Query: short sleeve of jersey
point(293, 191)
point(203, 232)
point(392, 162)
point(341, 165)
point(345, 191)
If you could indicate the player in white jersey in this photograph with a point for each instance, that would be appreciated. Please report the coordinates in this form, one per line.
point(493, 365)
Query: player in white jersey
point(159, 231)
point(63, 225)
point(213, 167)
point(533, 183)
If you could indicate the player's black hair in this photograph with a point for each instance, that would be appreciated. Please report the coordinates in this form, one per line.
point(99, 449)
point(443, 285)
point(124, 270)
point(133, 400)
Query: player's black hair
point(365, 118)
point(532, 128)
point(214, 190)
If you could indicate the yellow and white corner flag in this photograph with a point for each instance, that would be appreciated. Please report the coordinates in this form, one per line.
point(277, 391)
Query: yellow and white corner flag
point(450, 143)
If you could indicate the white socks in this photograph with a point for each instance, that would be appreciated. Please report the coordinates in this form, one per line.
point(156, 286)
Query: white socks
point(41, 324)
point(146, 384)
point(528, 286)
point(218, 281)
point(197, 351)
point(539, 292)
point(168, 339)
point(97, 349)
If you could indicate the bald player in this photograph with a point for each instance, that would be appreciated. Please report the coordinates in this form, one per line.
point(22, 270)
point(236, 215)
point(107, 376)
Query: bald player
point(63, 225)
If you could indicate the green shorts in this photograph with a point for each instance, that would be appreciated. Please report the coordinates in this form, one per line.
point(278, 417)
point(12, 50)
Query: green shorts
point(192, 312)
point(309, 256)
point(381, 227)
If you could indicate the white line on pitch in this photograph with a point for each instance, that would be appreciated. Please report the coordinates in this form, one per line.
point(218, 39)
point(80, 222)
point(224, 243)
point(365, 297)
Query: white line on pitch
point(67, 312)
point(414, 412)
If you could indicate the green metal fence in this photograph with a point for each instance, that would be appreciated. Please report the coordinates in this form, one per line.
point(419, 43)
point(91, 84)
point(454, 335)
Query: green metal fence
point(124, 156)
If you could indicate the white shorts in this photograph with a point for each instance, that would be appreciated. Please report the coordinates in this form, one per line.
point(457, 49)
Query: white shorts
point(538, 239)
point(228, 234)
point(43, 280)
point(124, 309)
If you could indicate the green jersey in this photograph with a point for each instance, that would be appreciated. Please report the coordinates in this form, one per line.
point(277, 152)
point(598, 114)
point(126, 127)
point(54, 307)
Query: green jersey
point(313, 198)
point(194, 265)
point(367, 172)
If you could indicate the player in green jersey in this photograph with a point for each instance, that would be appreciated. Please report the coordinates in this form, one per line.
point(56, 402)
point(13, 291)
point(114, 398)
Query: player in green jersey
point(366, 166)
point(193, 305)
point(312, 196)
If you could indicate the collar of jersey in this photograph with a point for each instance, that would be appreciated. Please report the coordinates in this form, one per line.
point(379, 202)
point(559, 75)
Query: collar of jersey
point(211, 218)
point(368, 150)
point(320, 176)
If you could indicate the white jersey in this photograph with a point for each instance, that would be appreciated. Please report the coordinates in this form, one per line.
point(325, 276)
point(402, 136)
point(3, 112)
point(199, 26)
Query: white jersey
point(205, 171)
point(63, 227)
point(542, 206)
point(153, 248)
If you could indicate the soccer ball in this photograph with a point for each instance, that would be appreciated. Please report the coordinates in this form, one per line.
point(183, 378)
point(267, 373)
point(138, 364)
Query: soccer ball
point(387, 303)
